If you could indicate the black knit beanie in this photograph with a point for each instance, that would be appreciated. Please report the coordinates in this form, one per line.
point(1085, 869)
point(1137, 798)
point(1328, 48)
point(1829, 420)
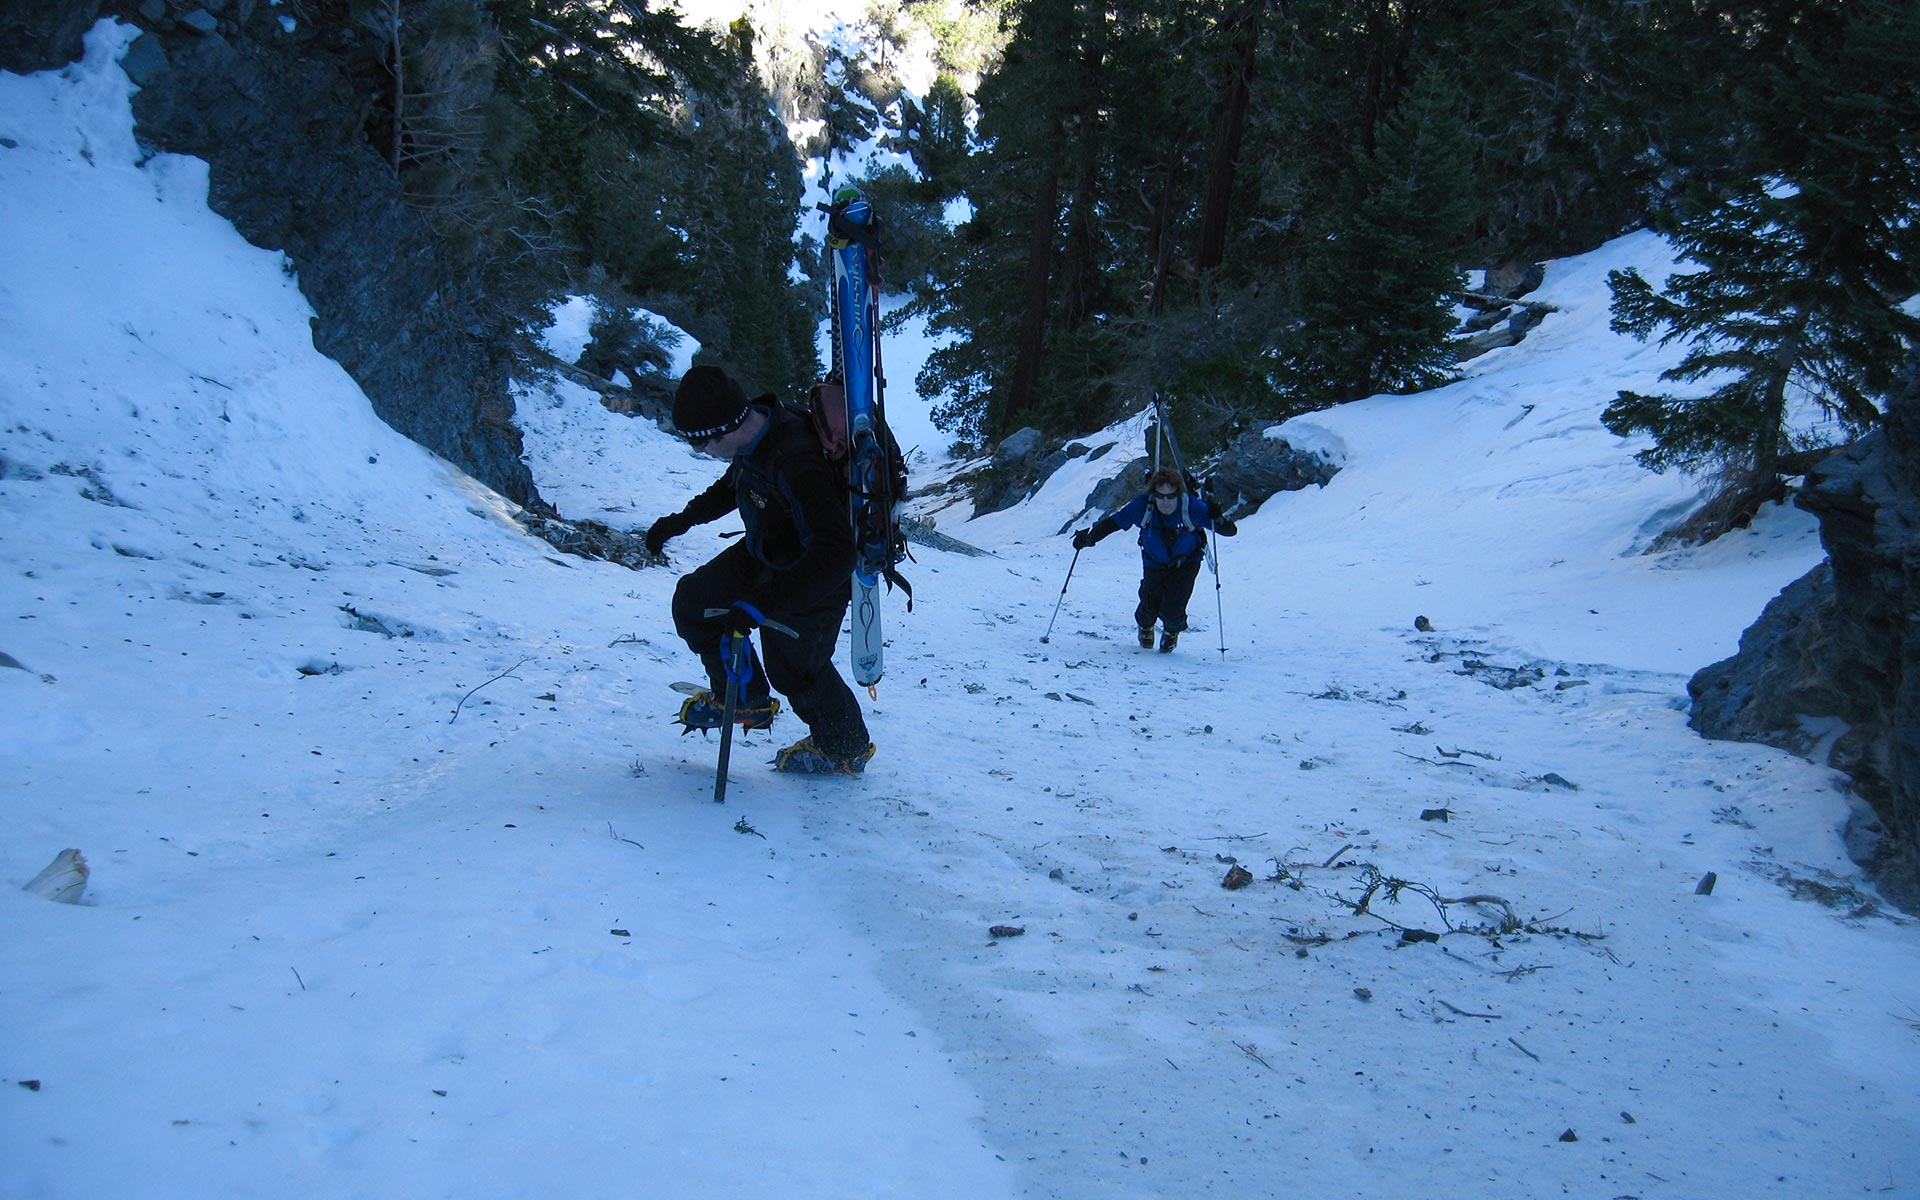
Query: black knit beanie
point(708, 404)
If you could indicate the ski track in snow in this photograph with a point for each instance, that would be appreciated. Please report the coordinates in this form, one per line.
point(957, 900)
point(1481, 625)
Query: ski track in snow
point(403, 884)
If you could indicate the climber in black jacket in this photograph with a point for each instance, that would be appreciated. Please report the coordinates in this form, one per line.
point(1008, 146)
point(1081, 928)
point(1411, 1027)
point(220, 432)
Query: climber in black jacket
point(794, 566)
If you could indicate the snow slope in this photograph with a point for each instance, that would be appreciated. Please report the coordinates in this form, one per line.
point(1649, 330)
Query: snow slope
point(404, 885)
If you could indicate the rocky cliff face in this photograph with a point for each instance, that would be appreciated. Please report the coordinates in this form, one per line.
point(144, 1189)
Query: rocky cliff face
point(38, 35)
point(1844, 643)
point(228, 81)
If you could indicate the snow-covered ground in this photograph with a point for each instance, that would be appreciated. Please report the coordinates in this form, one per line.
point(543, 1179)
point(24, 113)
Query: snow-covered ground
point(403, 884)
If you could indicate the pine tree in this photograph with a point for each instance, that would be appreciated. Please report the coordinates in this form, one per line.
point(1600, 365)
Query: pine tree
point(1212, 197)
point(1083, 188)
point(941, 149)
point(1001, 262)
point(1375, 299)
point(591, 86)
point(732, 183)
point(1800, 268)
point(1563, 99)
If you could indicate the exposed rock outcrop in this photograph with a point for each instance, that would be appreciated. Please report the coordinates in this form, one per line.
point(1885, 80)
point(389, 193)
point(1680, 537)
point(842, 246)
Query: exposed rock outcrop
point(1122, 486)
point(1015, 472)
point(1243, 476)
point(1254, 467)
point(1843, 642)
point(1500, 317)
point(252, 92)
point(40, 35)
point(293, 172)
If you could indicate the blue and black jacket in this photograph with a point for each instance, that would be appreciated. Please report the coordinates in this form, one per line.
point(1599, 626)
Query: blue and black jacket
point(1176, 539)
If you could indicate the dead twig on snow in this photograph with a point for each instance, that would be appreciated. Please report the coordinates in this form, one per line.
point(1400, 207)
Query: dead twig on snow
point(616, 837)
point(497, 678)
point(1517, 972)
point(1429, 761)
point(1445, 753)
point(1390, 888)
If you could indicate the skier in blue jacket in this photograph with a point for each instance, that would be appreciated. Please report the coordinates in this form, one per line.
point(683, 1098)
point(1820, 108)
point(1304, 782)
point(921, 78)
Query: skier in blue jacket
point(1173, 524)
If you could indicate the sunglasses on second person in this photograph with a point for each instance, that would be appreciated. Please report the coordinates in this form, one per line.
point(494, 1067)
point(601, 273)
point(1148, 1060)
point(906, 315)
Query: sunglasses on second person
point(1165, 496)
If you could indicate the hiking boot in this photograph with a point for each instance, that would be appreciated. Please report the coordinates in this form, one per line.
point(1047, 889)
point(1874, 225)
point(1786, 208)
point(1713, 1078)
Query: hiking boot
point(805, 758)
point(704, 711)
point(1169, 640)
point(1146, 637)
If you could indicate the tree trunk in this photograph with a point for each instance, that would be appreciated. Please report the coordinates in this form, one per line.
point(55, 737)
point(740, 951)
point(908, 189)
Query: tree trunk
point(1773, 416)
point(1229, 129)
point(1161, 238)
point(1390, 26)
point(1077, 271)
point(399, 89)
point(1033, 309)
point(1073, 114)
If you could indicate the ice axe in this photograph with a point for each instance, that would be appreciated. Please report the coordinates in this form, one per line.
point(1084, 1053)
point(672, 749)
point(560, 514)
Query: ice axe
point(739, 668)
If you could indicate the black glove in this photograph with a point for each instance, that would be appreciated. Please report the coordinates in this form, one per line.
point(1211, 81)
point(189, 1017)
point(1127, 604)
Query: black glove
point(1094, 532)
point(1225, 527)
point(665, 528)
point(743, 618)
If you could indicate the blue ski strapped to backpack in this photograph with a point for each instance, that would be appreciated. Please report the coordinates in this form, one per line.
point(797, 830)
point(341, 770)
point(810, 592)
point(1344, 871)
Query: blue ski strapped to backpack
point(849, 414)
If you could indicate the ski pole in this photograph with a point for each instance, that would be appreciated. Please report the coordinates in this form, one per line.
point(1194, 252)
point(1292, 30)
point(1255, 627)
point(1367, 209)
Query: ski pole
point(1219, 613)
point(1048, 635)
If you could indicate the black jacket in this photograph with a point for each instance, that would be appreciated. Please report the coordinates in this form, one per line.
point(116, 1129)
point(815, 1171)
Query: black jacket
point(795, 510)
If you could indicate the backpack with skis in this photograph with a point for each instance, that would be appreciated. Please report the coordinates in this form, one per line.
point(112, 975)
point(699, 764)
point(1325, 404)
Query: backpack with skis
point(1162, 435)
point(849, 414)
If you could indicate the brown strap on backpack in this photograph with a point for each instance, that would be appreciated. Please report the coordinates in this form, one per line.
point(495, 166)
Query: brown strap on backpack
point(827, 405)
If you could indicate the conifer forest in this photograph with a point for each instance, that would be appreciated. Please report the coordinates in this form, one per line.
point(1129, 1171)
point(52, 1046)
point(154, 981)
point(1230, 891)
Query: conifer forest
point(1256, 207)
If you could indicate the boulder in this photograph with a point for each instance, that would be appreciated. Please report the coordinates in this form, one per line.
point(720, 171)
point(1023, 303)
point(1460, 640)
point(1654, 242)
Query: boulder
point(1254, 467)
point(1018, 468)
point(1840, 646)
point(1243, 476)
point(144, 61)
point(1018, 447)
point(1118, 489)
point(1780, 675)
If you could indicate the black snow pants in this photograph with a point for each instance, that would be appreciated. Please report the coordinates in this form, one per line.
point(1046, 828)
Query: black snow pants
point(801, 669)
point(1164, 592)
